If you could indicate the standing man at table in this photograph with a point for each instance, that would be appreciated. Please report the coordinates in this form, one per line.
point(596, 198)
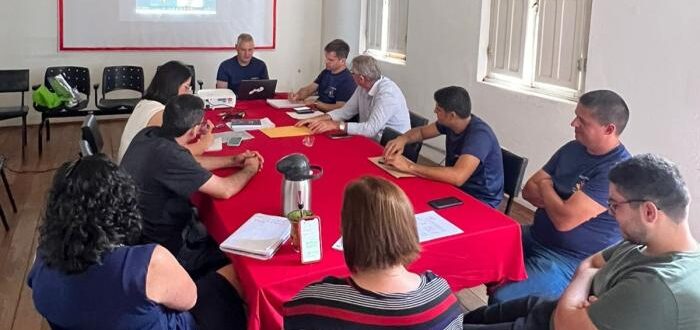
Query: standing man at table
point(334, 84)
point(378, 100)
point(167, 175)
point(243, 66)
point(473, 159)
point(647, 281)
point(571, 195)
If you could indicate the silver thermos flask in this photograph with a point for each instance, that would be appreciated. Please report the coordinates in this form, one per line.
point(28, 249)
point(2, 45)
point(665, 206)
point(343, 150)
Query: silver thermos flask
point(296, 185)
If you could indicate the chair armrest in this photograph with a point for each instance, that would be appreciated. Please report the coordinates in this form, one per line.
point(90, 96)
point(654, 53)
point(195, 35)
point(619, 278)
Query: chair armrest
point(95, 87)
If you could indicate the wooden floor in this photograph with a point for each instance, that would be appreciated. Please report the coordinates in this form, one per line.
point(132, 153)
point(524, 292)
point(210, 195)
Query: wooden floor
point(30, 178)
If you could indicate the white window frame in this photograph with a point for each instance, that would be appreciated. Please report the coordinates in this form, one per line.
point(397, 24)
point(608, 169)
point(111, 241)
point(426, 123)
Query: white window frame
point(392, 27)
point(539, 46)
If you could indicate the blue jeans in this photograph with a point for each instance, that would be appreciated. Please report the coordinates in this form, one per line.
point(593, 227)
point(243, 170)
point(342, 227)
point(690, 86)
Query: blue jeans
point(548, 273)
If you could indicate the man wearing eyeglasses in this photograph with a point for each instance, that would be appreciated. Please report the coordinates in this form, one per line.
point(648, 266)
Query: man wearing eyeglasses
point(571, 193)
point(377, 100)
point(167, 174)
point(648, 281)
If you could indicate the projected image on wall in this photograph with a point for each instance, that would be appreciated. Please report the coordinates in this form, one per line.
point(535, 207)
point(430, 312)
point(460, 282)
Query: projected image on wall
point(176, 7)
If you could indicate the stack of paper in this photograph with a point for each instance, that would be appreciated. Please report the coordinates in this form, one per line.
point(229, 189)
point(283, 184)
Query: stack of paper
point(284, 103)
point(430, 226)
point(259, 237)
point(250, 124)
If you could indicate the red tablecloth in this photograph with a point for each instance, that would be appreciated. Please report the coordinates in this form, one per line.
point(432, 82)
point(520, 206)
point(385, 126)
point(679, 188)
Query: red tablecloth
point(488, 251)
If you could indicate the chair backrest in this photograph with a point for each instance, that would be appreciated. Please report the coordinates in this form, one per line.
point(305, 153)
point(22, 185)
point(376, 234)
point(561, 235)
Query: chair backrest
point(417, 120)
point(76, 76)
point(192, 72)
point(91, 133)
point(410, 150)
point(122, 77)
point(12, 81)
point(513, 171)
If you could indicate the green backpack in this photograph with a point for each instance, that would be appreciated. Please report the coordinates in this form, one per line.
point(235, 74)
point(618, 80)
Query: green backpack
point(45, 98)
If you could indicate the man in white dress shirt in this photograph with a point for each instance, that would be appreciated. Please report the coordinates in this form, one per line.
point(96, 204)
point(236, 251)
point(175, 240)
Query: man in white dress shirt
point(378, 101)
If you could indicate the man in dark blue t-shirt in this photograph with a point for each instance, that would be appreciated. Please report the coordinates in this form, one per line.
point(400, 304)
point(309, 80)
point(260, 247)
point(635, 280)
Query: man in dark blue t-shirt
point(571, 195)
point(243, 66)
point(473, 156)
point(334, 84)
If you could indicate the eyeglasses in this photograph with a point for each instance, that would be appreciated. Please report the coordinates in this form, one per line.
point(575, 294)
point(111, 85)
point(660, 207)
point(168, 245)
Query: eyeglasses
point(613, 205)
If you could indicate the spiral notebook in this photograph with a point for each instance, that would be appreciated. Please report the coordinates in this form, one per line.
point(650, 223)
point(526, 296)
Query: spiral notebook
point(259, 237)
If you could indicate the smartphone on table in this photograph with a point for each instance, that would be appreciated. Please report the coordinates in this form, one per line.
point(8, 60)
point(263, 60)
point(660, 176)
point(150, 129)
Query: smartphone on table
point(234, 141)
point(446, 202)
point(303, 110)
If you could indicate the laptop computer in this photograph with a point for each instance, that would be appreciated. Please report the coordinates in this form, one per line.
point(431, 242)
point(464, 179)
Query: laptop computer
point(257, 89)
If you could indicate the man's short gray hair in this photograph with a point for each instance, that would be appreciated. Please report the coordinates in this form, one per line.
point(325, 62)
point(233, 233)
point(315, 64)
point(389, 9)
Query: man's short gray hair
point(244, 37)
point(366, 66)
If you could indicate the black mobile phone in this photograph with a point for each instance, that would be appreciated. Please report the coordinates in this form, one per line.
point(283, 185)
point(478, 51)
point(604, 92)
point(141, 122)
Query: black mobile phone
point(445, 202)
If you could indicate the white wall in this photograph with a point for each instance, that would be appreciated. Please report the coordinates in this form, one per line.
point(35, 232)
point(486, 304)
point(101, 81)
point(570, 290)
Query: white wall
point(645, 51)
point(29, 41)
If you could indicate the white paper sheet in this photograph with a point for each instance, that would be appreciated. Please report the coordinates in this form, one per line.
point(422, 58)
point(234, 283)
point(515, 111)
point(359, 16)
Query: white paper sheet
point(430, 226)
point(302, 116)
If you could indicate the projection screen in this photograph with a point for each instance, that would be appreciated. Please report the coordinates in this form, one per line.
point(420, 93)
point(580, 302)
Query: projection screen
point(164, 24)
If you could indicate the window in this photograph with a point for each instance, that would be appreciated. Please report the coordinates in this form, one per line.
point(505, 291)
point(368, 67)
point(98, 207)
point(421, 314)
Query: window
point(385, 26)
point(539, 45)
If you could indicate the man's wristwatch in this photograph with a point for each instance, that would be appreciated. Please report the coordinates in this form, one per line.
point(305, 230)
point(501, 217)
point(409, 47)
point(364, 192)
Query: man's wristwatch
point(341, 126)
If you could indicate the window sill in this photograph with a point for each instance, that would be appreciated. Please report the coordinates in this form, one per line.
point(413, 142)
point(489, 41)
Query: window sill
point(386, 59)
point(534, 91)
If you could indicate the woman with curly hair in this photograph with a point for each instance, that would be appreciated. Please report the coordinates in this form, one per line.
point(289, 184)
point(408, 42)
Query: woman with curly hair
point(87, 275)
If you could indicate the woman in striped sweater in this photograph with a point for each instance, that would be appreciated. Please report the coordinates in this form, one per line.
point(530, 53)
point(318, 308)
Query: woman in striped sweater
point(379, 240)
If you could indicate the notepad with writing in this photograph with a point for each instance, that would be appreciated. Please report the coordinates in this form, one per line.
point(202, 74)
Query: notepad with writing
point(259, 237)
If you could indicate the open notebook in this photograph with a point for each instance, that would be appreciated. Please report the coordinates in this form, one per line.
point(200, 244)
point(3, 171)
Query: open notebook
point(259, 237)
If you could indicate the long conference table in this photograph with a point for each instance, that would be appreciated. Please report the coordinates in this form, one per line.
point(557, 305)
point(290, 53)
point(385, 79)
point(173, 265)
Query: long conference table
point(489, 250)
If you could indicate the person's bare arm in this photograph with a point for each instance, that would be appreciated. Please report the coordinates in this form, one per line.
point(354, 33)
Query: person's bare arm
point(567, 214)
point(531, 191)
point(225, 187)
point(455, 175)
point(304, 92)
point(395, 147)
point(167, 283)
point(156, 119)
point(325, 107)
point(572, 309)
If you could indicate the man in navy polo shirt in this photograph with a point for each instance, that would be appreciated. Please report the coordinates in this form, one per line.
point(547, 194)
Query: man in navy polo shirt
point(242, 66)
point(571, 195)
point(334, 84)
point(473, 163)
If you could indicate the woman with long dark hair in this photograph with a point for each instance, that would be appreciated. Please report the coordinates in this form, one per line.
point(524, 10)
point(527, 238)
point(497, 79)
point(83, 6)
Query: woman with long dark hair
point(87, 275)
point(171, 79)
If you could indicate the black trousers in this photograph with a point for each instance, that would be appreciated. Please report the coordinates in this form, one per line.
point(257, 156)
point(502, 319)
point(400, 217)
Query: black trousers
point(529, 313)
point(218, 304)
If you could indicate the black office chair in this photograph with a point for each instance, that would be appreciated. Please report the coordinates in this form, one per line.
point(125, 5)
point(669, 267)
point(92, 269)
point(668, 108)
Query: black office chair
point(14, 81)
point(115, 78)
point(91, 136)
point(417, 120)
point(410, 150)
point(9, 194)
point(192, 81)
point(77, 77)
point(513, 171)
